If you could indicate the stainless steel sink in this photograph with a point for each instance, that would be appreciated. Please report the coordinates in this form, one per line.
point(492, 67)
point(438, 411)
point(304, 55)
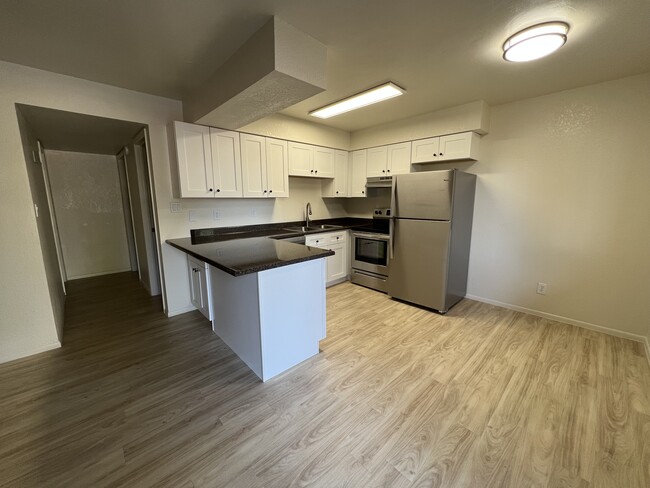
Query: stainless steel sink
point(312, 228)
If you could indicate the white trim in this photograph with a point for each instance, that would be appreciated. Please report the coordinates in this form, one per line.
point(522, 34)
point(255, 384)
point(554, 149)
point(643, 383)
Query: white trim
point(21, 355)
point(178, 311)
point(91, 275)
point(566, 320)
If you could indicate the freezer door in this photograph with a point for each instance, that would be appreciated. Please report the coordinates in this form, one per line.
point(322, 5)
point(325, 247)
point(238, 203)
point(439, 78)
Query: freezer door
point(426, 195)
point(418, 270)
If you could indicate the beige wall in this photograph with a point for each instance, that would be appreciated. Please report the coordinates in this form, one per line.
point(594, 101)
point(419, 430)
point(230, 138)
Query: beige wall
point(88, 205)
point(27, 322)
point(562, 198)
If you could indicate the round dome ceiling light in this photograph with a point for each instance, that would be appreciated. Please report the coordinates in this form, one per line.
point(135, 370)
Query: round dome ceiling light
point(535, 42)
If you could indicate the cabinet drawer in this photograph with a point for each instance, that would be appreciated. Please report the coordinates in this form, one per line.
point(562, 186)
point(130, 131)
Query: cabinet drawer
point(336, 237)
point(317, 240)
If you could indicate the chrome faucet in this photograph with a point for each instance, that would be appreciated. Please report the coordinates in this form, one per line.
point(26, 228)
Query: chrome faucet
point(307, 214)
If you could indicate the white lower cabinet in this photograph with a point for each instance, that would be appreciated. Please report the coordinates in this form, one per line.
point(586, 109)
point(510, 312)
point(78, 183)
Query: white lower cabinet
point(200, 286)
point(337, 265)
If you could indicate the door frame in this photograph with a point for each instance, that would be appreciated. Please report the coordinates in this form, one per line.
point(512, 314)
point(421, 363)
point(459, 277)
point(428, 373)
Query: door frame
point(142, 154)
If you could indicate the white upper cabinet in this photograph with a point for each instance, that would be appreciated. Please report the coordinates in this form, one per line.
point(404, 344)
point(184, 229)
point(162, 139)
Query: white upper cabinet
point(377, 161)
point(394, 159)
point(324, 160)
point(399, 159)
point(277, 168)
point(338, 187)
point(358, 163)
point(194, 157)
point(264, 167)
point(312, 161)
point(226, 163)
point(208, 162)
point(425, 150)
point(459, 146)
point(446, 148)
point(301, 159)
point(253, 166)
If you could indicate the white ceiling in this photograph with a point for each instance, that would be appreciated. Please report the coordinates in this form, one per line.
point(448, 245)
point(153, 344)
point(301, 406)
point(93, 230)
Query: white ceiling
point(443, 53)
point(69, 131)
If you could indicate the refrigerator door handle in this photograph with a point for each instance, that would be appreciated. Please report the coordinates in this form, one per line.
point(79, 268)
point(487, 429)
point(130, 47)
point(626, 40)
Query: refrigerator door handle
point(391, 241)
point(393, 194)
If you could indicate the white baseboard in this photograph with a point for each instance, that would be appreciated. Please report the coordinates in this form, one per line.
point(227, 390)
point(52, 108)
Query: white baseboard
point(22, 354)
point(178, 311)
point(566, 320)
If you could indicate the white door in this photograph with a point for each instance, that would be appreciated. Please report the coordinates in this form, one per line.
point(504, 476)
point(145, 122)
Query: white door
point(455, 146)
point(194, 156)
point(277, 168)
point(399, 158)
point(195, 283)
point(377, 161)
point(324, 160)
point(253, 166)
point(358, 173)
point(301, 159)
point(425, 150)
point(341, 174)
point(226, 163)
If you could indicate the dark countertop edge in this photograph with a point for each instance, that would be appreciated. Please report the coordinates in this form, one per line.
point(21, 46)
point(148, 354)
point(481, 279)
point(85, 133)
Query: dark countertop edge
point(325, 253)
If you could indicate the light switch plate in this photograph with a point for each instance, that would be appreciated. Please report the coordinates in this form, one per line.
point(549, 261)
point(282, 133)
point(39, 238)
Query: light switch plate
point(193, 215)
point(176, 207)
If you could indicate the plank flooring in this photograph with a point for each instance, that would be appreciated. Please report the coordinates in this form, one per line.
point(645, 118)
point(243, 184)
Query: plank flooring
point(398, 397)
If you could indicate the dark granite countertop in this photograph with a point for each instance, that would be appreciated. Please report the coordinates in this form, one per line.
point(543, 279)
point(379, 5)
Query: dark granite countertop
point(277, 229)
point(249, 249)
point(252, 255)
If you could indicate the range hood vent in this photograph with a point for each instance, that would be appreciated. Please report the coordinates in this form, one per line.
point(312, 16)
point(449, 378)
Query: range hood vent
point(379, 182)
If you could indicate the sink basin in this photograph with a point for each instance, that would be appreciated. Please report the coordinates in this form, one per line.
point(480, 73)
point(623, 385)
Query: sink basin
point(312, 228)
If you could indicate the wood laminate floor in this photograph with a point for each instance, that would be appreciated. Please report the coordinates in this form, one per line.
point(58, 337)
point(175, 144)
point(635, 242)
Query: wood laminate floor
point(398, 397)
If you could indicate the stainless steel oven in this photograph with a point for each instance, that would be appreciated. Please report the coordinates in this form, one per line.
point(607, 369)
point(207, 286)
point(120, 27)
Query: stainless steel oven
point(370, 260)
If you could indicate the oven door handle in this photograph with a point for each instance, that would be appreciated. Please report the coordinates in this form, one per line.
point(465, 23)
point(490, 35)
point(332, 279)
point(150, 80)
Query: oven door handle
point(371, 236)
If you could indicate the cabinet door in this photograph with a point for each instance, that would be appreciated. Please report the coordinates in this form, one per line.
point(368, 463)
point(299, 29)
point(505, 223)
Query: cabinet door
point(301, 159)
point(336, 268)
point(205, 293)
point(341, 174)
point(377, 161)
point(324, 161)
point(399, 158)
point(425, 150)
point(253, 166)
point(226, 163)
point(458, 146)
point(194, 158)
point(358, 173)
point(277, 168)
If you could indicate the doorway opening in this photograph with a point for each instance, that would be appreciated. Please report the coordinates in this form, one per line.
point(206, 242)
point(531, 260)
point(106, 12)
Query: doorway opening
point(95, 191)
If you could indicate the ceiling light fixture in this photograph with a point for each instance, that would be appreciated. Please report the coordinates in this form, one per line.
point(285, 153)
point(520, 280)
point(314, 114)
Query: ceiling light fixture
point(368, 97)
point(535, 42)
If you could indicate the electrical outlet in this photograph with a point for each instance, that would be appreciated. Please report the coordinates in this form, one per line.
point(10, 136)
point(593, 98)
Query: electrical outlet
point(193, 215)
point(175, 207)
point(253, 212)
point(216, 214)
point(541, 288)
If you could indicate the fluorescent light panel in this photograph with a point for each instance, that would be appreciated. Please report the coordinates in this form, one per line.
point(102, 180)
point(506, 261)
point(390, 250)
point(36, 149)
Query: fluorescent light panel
point(535, 42)
point(368, 97)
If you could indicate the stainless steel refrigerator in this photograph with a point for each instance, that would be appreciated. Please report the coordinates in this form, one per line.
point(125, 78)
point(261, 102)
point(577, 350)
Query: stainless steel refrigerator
point(431, 228)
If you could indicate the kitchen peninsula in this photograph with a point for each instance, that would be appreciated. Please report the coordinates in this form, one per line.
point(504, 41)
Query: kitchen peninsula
point(267, 296)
